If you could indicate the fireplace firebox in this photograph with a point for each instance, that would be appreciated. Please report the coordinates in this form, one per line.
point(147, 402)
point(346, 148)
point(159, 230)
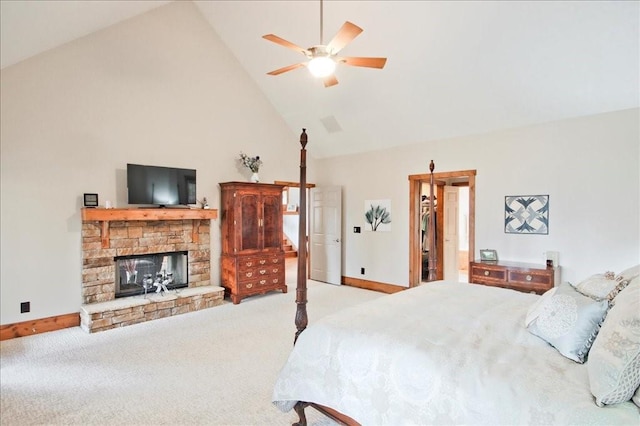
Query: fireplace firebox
point(151, 273)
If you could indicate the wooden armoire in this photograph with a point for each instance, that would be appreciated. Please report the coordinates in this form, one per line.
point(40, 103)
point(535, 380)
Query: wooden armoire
point(252, 259)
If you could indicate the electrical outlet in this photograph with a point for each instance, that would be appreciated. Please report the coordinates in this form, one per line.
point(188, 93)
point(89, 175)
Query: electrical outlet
point(361, 271)
point(25, 307)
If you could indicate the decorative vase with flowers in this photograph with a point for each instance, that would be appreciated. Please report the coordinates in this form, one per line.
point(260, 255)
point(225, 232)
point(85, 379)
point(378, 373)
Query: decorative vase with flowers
point(253, 164)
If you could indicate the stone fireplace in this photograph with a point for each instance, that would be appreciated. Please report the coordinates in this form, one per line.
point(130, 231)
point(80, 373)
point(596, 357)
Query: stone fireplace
point(128, 254)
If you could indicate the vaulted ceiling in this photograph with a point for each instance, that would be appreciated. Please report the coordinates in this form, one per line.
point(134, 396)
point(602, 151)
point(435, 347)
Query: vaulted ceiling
point(454, 68)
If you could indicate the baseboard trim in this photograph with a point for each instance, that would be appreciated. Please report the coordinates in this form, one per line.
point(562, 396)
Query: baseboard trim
point(372, 285)
point(37, 326)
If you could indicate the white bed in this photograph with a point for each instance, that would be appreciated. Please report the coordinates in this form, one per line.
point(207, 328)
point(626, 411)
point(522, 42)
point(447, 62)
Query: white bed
point(441, 353)
point(457, 353)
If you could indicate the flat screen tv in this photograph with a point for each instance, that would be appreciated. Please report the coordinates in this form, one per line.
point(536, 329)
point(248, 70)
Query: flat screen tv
point(160, 186)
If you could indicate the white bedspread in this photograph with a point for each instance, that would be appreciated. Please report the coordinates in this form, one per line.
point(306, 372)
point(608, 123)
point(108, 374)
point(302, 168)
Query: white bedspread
point(441, 353)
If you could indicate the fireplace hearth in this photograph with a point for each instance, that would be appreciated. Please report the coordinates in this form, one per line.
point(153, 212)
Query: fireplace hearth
point(167, 247)
point(150, 273)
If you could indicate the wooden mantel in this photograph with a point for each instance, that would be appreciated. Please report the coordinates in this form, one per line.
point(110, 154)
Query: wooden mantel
point(146, 214)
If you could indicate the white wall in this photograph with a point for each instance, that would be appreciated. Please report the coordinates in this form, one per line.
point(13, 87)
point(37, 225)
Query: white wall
point(157, 89)
point(588, 166)
point(162, 89)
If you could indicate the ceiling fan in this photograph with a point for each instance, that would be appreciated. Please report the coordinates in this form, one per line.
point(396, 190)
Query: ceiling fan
point(323, 57)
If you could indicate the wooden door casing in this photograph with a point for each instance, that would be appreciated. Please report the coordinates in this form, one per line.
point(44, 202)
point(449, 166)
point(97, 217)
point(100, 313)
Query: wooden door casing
point(415, 246)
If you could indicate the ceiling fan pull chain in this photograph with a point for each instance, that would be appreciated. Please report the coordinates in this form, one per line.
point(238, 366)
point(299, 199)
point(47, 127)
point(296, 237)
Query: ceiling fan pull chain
point(321, 24)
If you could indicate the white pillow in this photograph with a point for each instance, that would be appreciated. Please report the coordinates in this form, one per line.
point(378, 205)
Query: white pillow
point(597, 286)
point(569, 321)
point(629, 273)
point(536, 308)
point(622, 284)
point(614, 360)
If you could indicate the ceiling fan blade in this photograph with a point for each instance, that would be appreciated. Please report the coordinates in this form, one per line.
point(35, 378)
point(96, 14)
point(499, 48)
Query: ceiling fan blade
point(363, 62)
point(285, 69)
point(345, 35)
point(282, 42)
point(330, 81)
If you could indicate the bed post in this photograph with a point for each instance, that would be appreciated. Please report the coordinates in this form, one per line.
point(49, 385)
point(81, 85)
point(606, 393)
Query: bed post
point(301, 288)
point(432, 228)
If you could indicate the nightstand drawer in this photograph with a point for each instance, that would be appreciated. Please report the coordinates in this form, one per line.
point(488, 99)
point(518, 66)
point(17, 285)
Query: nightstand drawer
point(531, 278)
point(482, 273)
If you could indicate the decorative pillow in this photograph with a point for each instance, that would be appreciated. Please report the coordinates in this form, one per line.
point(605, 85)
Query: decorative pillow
point(569, 321)
point(536, 308)
point(597, 286)
point(614, 360)
point(629, 273)
point(616, 290)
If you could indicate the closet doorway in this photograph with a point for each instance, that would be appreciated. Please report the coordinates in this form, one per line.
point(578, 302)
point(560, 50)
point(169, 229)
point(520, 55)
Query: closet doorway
point(456, 190)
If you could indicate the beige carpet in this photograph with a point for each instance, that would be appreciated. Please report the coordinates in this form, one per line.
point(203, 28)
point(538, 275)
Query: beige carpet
point(212, 367)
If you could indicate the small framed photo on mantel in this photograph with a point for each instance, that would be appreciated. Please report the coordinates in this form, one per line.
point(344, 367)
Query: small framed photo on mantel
point(90, 200)
point(488, 255)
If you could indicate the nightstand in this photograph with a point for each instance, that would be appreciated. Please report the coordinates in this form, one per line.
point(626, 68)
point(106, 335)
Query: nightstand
point(525, 277)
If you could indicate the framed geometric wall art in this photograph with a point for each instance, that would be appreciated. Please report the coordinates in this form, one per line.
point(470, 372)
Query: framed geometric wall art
point(526, 214)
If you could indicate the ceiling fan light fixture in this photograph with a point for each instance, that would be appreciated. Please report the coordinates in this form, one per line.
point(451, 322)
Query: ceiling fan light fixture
point(321, 66)
point(322, 58)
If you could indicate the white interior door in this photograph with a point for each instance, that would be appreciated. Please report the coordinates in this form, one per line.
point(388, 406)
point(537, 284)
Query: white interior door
point(450, 248)
point(325, 242)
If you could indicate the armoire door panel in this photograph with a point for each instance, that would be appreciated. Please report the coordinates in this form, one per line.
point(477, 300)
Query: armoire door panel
point(250, 222)
point(272, 222)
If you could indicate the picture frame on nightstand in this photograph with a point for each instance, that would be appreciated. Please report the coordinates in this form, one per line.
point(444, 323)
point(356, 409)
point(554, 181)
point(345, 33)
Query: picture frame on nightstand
point(488, 255)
